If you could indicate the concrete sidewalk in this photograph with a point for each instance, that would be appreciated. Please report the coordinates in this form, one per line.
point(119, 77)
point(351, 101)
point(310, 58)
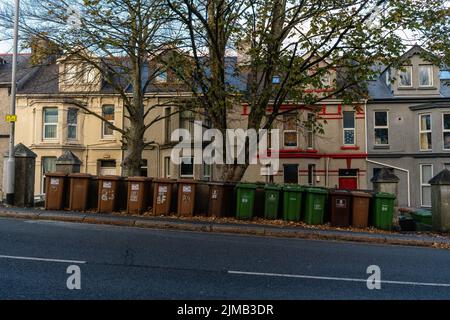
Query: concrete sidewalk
point(261, 228)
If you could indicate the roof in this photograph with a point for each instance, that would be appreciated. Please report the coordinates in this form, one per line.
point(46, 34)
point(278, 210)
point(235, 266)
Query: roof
point(43, 79)
point(379, 90)
point(23, 68)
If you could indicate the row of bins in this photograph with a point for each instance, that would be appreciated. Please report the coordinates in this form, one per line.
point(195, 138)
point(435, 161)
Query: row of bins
point(341, 208)
point(136, 195)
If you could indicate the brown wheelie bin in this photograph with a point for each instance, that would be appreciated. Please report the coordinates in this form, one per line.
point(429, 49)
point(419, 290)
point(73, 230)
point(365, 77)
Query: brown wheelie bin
point(360, 209)
point(222, 202)
point(108, 187)
point(186, 197)
point(79, 191)
point(162, 196)
point(340, 208)
point(55, 188)
point(138, 199)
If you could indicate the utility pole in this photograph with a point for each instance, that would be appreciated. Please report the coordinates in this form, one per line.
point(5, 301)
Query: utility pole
point(10, 165)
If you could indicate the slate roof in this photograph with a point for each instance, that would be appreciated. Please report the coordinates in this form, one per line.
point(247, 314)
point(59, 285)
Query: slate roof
point(43, 79)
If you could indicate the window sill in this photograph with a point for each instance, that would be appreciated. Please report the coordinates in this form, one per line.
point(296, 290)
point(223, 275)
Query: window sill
point(427, 88)
point(406, 88)
point(381, 147)
point(349, 148)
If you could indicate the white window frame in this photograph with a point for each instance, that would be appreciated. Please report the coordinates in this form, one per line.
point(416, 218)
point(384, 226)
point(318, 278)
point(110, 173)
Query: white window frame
point(430, 74)
point(425, 131)
point(349, 129)
point(108, 136)
point(167, 168)
point(327, 78)
point(72, 124)
point(159, 78)
point(422, 184)
point(290, 131)
point(444, 131)
point(45, 124)
point(407, 68)
point(310, 132)
point(187, 175)
point(380, 127)
point(206, 175)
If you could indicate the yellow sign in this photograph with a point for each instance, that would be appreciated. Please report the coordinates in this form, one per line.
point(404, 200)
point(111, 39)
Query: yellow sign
point(11, 118)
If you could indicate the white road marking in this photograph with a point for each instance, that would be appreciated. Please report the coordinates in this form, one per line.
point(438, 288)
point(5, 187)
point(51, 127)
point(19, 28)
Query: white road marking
point(41, 259)
point(337, 278)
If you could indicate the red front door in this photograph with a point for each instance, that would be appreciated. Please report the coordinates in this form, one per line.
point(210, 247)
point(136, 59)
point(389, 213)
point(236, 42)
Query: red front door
point(348, 183)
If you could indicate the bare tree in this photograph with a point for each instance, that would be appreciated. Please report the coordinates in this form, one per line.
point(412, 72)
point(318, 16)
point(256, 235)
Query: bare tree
point(121, 41)
point(298, 42)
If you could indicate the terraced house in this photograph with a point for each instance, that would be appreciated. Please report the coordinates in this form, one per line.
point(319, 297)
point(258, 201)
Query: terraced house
point(408, 125)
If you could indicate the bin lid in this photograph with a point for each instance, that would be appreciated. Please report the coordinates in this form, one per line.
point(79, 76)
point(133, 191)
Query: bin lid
point(165, 181)
point(139, 179)
point(56, 174)
point(315, 190)
point(80, 175)
point(292, 187)
point(222, 184)
point(109, 177)
point(361, 194)
point(339, 192)
point(272, 187)
point(422, 213)
point(246, 186)
point(384, 195)
point(187, 181)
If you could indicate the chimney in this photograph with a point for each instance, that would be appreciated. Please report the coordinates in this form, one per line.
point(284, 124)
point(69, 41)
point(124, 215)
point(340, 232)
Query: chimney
point(43, 50)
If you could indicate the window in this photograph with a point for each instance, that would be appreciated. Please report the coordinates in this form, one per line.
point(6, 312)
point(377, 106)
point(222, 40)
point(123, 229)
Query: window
point(426, 173)
point(71, 73)
point(48, 165)
point(325, 80)
point(310, 131)
point(161, 77)
point(405, 76)
point(88, 73)
point(425, 132)
point(206, 170)
point(349, 127)
point(311, 174)
point(290, 173)
point(72, 121)
point(381, 127)
point(376, 171)
point(187, 121)
point(167, 125)
point(426, 76)
point(144, 168)
point(388, 79)
point(50, 123)
point(108, 114)
point(167, 167)
point(276, 80)
point(290, 131)
point(187, 167)
point(107, 167)
point(446, 130)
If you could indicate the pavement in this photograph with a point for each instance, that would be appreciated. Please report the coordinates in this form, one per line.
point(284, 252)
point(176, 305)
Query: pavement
point(37, 259)
point(234, 226)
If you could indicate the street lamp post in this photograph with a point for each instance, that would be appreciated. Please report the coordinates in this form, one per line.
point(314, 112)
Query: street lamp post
point(10, 165)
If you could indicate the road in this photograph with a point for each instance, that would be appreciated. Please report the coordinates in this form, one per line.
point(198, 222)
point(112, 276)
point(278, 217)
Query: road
point(131, 263)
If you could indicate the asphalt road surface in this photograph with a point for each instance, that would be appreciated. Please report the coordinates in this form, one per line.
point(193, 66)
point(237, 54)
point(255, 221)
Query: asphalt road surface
point(131, 263)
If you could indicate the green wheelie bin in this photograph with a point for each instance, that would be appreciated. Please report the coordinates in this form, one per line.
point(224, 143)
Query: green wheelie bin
point(245, 200)
point(383, 210)
point(292, 202)
point(271, 201)
point(315, 200)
